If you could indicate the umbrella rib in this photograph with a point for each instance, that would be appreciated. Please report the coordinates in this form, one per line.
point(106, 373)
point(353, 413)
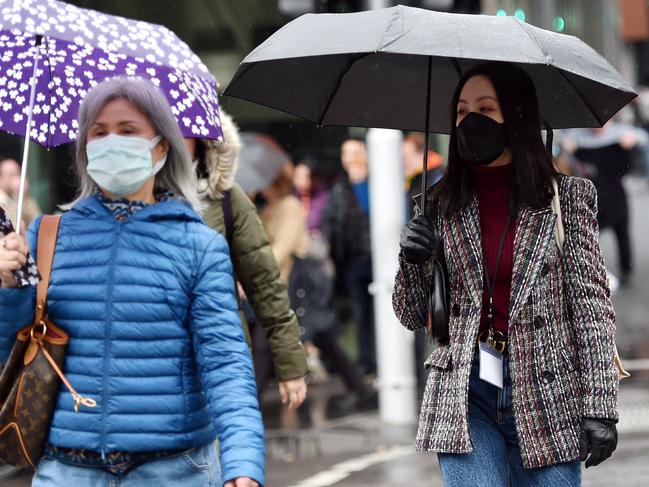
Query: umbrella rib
point(563, 75)
point(581, 97)
point(350, 63)
point(245, 67)
point(534, 41)
point(456, 65)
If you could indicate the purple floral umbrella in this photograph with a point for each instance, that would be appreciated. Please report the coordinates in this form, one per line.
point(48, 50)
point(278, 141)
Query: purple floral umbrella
point(60, 51)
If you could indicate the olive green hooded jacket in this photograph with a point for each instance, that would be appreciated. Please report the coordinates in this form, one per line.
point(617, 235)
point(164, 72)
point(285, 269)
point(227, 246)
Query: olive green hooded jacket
point(252, 258)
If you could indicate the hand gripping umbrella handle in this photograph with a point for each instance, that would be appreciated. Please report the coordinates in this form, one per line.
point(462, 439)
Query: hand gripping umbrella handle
point(32, 96)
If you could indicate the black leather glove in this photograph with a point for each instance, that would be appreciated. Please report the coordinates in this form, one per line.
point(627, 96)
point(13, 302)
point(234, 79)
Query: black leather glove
point(599, 438)
point(418, 240)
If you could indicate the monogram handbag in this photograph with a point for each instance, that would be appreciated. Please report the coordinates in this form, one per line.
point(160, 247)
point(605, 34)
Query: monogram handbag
point(30, 380)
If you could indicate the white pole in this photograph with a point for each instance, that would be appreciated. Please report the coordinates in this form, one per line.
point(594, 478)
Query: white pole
point(395, 344)
point(23, 173)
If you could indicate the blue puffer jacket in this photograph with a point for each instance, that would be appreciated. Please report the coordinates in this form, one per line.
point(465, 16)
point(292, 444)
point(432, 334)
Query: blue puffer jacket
point(155, 336)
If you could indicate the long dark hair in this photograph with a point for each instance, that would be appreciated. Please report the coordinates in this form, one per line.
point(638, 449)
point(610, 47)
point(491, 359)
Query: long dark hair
point(533, 166)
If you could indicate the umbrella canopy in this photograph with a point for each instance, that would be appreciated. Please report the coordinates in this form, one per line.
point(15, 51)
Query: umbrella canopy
point(377, 69)
point(78, 49)
point(260, 161)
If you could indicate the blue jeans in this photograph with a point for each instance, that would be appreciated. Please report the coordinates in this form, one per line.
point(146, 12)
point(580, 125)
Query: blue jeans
point(198, 467)
point(496, 459)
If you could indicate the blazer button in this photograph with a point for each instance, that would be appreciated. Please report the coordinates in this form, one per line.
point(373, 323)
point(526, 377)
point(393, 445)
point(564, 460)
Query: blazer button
point(539, 322)
point(545, 270)
point(456, 310)
point(547, 377)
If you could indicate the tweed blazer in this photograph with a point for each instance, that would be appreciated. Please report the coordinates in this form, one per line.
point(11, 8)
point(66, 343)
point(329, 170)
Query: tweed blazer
point(561, 329)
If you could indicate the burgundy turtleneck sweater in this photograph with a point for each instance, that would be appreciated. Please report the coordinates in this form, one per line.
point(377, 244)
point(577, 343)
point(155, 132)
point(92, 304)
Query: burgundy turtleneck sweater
point(493, 187)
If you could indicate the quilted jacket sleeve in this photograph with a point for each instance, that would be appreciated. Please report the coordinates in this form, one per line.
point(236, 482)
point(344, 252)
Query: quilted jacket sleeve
point(17, 305)
point(257, 270)
point(588, 298)
point(225, 365)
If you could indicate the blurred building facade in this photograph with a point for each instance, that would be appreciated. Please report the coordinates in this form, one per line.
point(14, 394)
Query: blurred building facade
point(222, 32)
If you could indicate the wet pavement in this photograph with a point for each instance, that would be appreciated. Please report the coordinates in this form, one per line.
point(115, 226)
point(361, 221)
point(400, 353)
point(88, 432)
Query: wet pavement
point(359, 451)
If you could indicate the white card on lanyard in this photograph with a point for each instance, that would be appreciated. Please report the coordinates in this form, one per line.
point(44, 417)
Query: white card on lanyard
point(491, 365)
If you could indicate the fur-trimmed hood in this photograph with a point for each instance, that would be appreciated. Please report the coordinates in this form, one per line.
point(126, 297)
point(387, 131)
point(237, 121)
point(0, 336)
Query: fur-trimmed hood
point(221, 159)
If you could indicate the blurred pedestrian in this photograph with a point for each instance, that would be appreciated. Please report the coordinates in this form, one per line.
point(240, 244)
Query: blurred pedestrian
point(525, 382)
point(413, 163)
point(9, 188)
point(312, 192)
point(311, 286)
point(286, 227)
point(641, 105)
point(231, 213)
point(144, 289)
point(282, 217)
point(346, 226)
point(604, 156)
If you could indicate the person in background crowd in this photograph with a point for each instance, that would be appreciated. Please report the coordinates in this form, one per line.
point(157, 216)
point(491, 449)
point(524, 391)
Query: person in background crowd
point(312, 193)
point(311, 286)
point(9, 188)
point(253, 261)
point(641, 105)
point(413, 164)
point(144, 288)
point(346, 226)
point(281, 214)
point(604, 156)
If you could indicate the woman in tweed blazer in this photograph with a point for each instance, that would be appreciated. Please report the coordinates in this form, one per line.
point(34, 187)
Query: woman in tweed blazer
point(558, 402)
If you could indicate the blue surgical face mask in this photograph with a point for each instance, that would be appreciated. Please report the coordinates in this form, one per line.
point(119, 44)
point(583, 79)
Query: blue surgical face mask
point(122, 164)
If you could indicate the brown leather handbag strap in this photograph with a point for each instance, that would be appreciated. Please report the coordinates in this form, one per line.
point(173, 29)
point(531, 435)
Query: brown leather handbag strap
point(47, 234)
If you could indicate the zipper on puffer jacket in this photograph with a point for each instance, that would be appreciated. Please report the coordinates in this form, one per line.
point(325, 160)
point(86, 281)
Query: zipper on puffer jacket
point(107, 329)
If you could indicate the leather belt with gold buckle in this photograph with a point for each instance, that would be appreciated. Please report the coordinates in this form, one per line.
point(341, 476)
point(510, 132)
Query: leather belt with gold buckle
point(498, 341)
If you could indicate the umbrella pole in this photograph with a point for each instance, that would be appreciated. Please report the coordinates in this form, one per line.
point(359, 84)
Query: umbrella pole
point(32, 96)
point(424, 179)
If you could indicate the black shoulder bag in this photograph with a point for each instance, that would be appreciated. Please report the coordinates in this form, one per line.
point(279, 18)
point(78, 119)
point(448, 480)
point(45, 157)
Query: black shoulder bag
point(438, 299)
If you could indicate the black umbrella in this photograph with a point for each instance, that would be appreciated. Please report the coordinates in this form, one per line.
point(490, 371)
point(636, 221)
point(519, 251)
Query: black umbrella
point(398, 68)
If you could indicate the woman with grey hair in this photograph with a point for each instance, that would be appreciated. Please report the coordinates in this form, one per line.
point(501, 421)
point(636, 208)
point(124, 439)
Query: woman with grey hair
point(145, 291)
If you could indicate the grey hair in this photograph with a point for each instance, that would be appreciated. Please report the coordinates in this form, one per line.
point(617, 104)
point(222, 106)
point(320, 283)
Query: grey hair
point(177, 175)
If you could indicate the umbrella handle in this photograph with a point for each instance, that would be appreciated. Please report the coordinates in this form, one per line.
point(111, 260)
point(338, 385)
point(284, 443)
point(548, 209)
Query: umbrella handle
point(23, 171)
